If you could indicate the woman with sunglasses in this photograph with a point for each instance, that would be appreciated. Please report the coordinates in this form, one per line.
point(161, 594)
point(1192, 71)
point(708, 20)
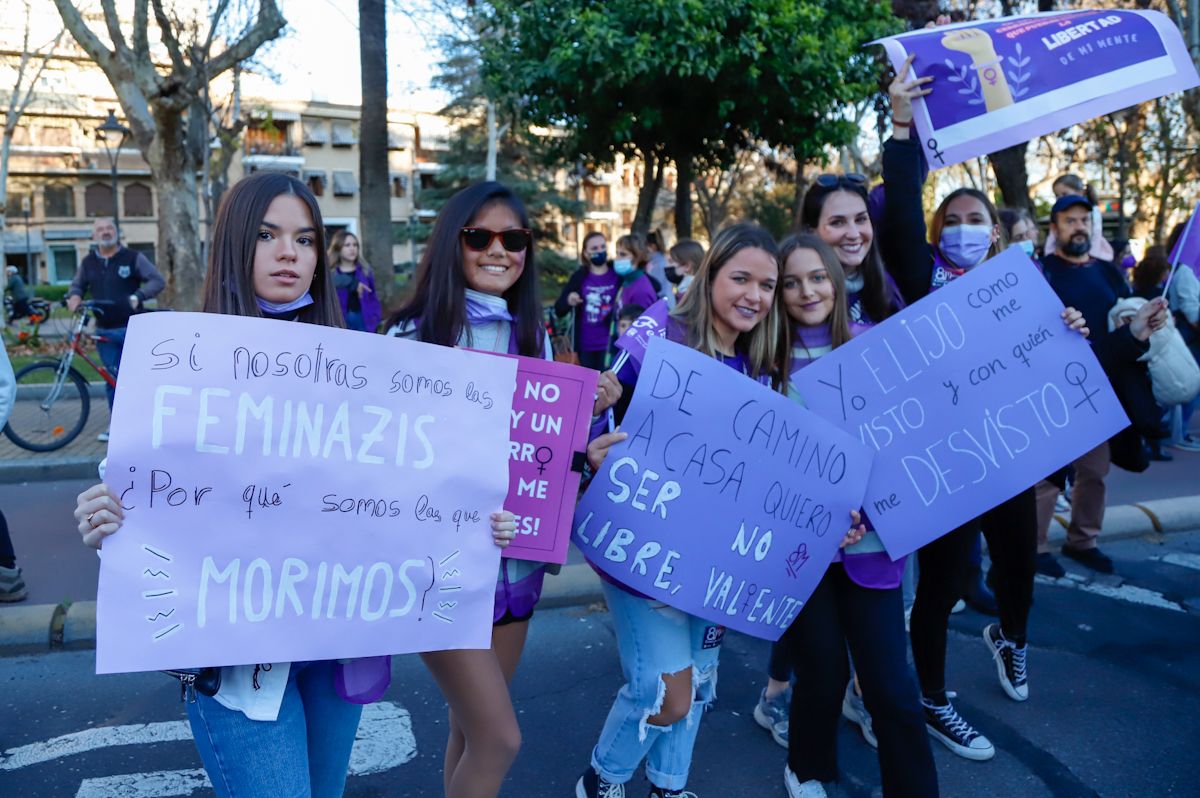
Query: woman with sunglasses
point(835, 208)
point(477, 287)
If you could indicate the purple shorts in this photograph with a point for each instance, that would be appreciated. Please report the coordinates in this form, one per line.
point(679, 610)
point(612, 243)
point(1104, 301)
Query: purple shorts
point(515, 600)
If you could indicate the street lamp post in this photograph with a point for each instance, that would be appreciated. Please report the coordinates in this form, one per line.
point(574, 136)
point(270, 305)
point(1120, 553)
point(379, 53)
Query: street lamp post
point(112, 135)
point(30, 273)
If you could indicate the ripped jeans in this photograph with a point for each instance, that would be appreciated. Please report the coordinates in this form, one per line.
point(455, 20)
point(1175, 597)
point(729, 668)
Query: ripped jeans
point(653, 640)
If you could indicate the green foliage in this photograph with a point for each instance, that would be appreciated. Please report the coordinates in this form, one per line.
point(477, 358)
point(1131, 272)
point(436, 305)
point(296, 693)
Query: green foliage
point(696, 79)
point(770, 207)
point(54, 293)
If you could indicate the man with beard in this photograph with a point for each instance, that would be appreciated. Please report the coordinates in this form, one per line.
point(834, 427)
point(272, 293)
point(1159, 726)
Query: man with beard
point(124, 280)
point(1093, 287)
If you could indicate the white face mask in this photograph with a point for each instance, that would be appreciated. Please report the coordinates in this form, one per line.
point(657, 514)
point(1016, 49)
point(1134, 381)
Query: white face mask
point(966, 245)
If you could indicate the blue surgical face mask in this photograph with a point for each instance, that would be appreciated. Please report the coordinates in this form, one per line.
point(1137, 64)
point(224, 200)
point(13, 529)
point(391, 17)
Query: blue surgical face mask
point(1025, 246)
point(623, 266)
point(598, 258)
point(966, 245)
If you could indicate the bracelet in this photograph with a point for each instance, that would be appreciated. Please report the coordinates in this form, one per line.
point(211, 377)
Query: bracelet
point(905, 123)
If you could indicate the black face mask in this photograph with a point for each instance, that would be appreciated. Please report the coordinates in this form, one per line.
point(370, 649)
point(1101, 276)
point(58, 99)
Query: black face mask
point(673, 275)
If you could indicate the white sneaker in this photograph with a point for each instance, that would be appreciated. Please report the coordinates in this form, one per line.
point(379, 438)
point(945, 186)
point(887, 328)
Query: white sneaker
point(809, 789)
point(945, 725)
point(1062, 504)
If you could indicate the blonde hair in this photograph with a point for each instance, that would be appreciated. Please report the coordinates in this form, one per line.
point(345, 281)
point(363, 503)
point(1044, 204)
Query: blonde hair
point(761, 345)
point(635, 243)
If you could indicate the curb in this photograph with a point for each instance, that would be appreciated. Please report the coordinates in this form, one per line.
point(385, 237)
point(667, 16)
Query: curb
point(49, 470)
point(38, 628)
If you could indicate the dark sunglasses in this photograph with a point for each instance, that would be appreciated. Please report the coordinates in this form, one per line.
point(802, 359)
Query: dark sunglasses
point(828, 180)
point(480, 238)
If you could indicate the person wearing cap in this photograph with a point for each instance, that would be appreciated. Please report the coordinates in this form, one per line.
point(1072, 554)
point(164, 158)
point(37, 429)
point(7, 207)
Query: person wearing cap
point(1093, 286)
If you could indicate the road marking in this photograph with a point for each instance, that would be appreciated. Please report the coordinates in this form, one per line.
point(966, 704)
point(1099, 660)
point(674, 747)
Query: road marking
point(384, 741)
point(1128, 593)
point(1182, 560)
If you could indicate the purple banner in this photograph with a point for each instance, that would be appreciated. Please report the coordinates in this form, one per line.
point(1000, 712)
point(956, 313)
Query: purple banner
point(969, 396)
point(651, 324)
point(727, 501)
point(1187, 249)
point(296, 492)
point(551, 410)
point(1006, 81)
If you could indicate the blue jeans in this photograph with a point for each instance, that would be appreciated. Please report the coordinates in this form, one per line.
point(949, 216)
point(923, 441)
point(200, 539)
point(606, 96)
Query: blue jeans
point(303, 754)
point(110, 353)
point(655, 640)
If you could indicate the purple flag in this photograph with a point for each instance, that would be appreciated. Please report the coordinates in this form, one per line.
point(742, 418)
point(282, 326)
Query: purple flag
point(1187, 248)
point(1005, 81)
point(651, 324)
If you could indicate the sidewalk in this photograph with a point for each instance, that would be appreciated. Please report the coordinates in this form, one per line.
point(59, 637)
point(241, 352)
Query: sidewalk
point(76, 460)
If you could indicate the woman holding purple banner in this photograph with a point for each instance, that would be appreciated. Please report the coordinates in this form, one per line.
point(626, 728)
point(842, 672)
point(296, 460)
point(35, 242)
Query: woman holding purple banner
point(858, 602)
point(669, 658)
point(477, 287)
point(965, 231)
point(284, 728)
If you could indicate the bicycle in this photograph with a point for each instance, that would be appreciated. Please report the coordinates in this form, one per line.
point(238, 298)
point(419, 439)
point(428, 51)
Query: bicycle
point(53, 401)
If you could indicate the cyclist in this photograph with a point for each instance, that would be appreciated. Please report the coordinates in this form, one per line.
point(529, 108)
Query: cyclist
point(16, 288)
point(121, 276)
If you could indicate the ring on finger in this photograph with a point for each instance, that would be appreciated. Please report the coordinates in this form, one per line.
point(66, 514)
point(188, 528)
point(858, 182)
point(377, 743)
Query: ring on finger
point(89, 519)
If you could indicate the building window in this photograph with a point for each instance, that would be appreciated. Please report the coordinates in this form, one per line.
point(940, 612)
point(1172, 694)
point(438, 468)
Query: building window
point(399, 185)
point(21, 135)
point(55, 137)
point(627, 218)
point(64, 261)
point(316, 132)
point(98, 200)
point(344, 184)
point(398, 138)
point(597, 196)
point(146, 249)
point(269, 137)
point(343, 134)
point(18, 202)
point(138, 200)
point(60, 200)
point(315, 180)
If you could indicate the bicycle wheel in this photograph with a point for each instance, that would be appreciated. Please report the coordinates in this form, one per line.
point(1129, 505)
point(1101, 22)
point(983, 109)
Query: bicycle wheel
point(48, 414)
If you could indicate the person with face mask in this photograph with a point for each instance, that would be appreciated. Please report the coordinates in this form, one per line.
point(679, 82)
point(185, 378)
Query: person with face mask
point(1021, 231)
point(590, 298)
point(637, 287)
point(964, 232)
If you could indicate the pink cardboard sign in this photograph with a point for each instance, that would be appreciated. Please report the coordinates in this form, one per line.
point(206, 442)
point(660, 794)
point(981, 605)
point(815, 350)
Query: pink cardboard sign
point(296, 492)
point(551, 411)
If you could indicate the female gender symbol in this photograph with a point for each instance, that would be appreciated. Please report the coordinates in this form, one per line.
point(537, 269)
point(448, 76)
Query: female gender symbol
point(537, 456)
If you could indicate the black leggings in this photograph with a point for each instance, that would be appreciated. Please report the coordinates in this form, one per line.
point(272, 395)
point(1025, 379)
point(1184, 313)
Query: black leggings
point(1011, 532)
point(840, 613)
point(7, 558)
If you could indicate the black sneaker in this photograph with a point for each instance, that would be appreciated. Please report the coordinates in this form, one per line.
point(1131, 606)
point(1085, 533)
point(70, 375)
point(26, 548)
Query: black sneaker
point(1090, 558)
point(1010, 662)
point(590, 785)
point(1048, 565)
point(660, 792)
point(945, 725)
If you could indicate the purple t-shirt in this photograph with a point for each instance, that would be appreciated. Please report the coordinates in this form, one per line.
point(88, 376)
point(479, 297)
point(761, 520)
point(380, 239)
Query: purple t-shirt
point(638, 291)
point(594, 317)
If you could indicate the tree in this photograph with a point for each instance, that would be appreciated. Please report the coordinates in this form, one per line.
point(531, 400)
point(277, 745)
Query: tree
point(693, 82)
point(29, 67)
point(164, 108)
point(376, 199)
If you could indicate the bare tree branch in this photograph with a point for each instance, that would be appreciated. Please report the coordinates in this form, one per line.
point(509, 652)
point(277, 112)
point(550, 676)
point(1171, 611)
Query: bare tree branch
point(141, 34)
point(170, 39)
point(268, 25)
point(113, 23)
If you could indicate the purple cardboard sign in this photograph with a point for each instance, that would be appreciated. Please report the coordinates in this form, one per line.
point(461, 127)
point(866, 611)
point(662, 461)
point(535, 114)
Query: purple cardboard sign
point(969, 396)
point(296, 492)
point(1005, 81)
point(727, 501)
point(551, 411)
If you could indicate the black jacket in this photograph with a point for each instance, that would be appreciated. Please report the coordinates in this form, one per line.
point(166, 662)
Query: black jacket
point(127, 273)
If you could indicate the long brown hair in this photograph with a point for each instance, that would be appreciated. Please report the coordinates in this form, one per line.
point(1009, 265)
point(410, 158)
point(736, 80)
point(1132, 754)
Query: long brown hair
point(938, 222)
point(839, 319)
point(335, 250)
point(229, 285)
point(760, 345)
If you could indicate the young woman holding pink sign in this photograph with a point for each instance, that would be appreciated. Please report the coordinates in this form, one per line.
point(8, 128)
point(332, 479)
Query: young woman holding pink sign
point(477, 286)
point(283, 728)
